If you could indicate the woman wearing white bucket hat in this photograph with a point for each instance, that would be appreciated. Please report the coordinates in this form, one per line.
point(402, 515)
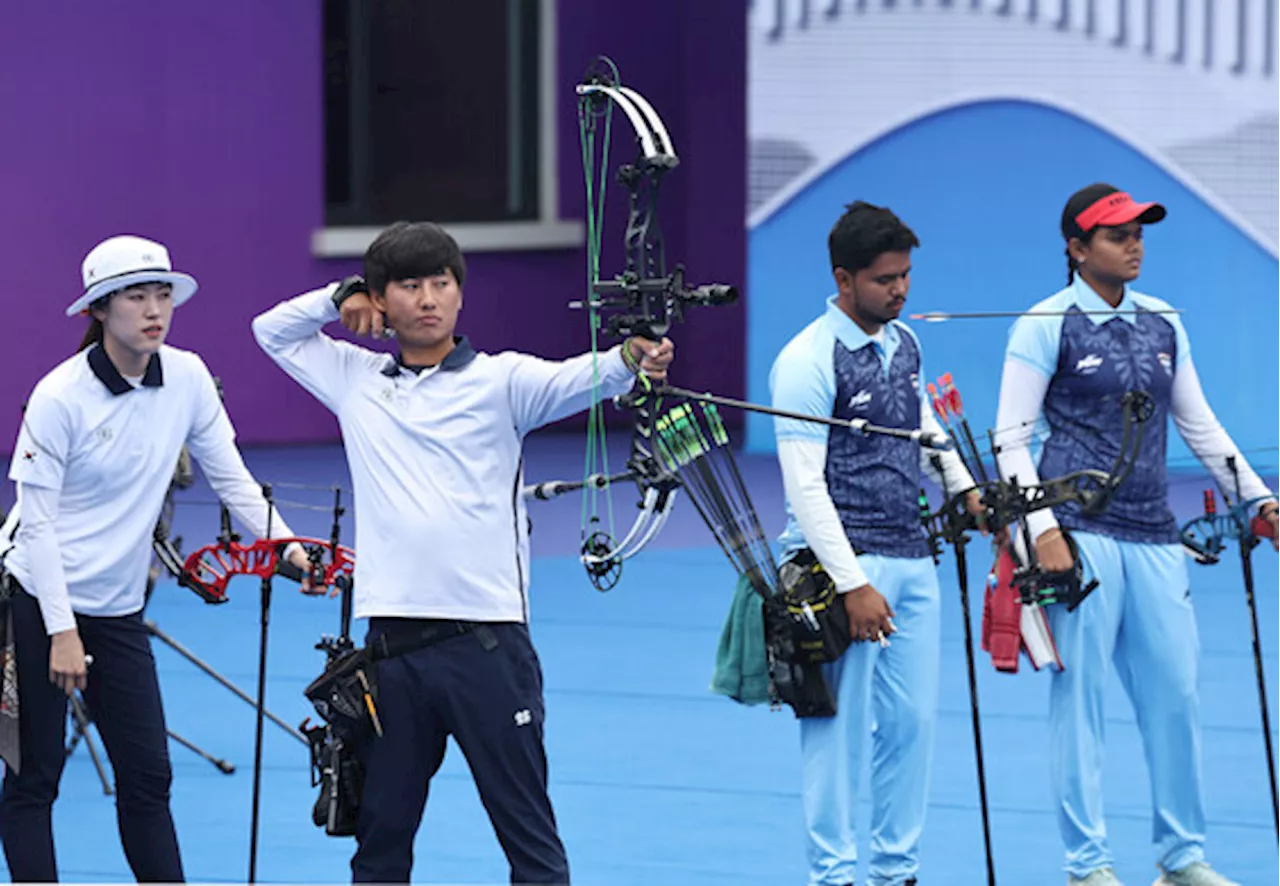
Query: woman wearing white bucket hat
point(100, 437)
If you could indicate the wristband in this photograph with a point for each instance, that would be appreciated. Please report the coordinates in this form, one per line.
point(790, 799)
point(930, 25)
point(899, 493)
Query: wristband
point(347, 288)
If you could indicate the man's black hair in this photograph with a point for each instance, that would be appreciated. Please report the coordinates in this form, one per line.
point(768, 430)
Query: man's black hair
point(408, 250)
point(864, 233)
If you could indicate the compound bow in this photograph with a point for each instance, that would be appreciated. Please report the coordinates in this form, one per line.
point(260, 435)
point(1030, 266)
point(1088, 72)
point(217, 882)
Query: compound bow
point(1006, 503)
point(643, 300)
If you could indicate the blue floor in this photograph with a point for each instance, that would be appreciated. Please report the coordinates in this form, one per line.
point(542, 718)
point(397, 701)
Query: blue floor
point(655, 780)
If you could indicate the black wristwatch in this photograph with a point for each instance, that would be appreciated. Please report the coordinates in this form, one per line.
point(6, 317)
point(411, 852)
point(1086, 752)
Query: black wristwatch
point(347, 288)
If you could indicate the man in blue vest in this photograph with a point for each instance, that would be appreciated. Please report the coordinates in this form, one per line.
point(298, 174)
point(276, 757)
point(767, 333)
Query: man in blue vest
point(852, 500)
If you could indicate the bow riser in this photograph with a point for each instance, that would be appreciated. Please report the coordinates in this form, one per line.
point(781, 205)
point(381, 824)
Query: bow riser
point(208, 570)
point(1206, 536)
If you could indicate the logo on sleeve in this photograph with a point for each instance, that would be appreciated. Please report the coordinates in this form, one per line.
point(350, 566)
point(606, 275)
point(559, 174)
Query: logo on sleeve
point(28, 455)
point(523, 717)
point(1088, 364)
point(1166, 360)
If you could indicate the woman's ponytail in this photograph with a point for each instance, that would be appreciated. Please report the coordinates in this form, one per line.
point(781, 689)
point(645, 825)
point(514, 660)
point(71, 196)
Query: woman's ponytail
point(92, 335)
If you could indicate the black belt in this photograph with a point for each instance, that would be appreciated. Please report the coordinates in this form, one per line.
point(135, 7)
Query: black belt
point(425, 633)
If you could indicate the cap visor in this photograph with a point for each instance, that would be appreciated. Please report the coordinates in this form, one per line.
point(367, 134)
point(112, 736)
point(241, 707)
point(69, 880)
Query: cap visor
point(1146, 213)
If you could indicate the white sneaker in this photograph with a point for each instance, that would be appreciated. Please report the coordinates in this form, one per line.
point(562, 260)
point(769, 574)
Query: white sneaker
point(1100, 877)
point(1195, 874)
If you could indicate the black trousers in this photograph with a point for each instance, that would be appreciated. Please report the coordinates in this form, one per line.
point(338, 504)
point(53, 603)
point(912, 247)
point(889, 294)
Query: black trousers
point(483, 687)
point(123, 697)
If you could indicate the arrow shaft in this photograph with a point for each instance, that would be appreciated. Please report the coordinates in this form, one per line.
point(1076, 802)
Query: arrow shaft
point(939, 316)
point(855, 424)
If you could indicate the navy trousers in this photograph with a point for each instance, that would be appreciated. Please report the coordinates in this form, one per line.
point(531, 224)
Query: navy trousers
point(123, 697)
point(483, 687)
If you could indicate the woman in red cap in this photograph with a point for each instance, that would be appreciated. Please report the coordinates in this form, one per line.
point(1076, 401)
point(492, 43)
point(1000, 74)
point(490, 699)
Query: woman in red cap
point(1072, 362)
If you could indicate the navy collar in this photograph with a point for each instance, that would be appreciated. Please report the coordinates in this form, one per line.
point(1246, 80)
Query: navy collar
point(107, 373)
point(460, 357)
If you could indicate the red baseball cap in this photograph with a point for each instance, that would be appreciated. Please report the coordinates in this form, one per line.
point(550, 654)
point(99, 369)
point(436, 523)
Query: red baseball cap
point(1103, 205)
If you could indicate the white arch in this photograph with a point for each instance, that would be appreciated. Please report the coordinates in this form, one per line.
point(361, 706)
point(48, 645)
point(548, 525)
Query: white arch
point(958, 100)
point(841, 83)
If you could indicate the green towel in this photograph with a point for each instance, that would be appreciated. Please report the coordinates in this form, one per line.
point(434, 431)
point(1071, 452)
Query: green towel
point(742, 667)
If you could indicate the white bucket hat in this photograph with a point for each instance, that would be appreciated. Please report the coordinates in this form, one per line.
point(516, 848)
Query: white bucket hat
point(125, 261)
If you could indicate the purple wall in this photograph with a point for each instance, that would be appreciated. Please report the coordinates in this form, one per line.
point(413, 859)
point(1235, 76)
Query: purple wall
point(200, 125)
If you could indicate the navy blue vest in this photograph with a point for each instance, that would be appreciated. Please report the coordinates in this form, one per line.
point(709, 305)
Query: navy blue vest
point(874, 481)
point(1097, 364)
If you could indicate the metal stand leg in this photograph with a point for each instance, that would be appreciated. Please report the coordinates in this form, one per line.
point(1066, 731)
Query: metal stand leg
point(233, 688)
point(80, 714)
point(963, 574)
point(223, 765)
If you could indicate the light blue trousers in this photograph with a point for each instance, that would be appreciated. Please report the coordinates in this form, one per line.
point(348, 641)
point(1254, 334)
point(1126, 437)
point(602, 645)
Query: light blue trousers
point(1139, 618)
point(891, 695)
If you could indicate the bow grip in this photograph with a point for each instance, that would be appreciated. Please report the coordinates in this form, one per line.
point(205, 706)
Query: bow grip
point(287, 570)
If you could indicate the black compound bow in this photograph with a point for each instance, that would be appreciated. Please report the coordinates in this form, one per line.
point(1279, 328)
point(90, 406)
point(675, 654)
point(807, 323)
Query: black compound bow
point(1006, 504)
point(644, 299)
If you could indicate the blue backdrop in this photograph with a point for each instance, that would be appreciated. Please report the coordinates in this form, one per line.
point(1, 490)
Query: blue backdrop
point(983, 186)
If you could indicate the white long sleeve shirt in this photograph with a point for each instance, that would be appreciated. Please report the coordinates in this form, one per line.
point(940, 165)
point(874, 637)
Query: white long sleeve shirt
point(94, 458)
point(435, 458)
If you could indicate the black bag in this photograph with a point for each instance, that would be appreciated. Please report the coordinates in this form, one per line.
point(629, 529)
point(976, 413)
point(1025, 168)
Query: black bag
point(808, 616)
point(803, 688)
point(335, 769)
point(805, 627)
point(345, 695)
